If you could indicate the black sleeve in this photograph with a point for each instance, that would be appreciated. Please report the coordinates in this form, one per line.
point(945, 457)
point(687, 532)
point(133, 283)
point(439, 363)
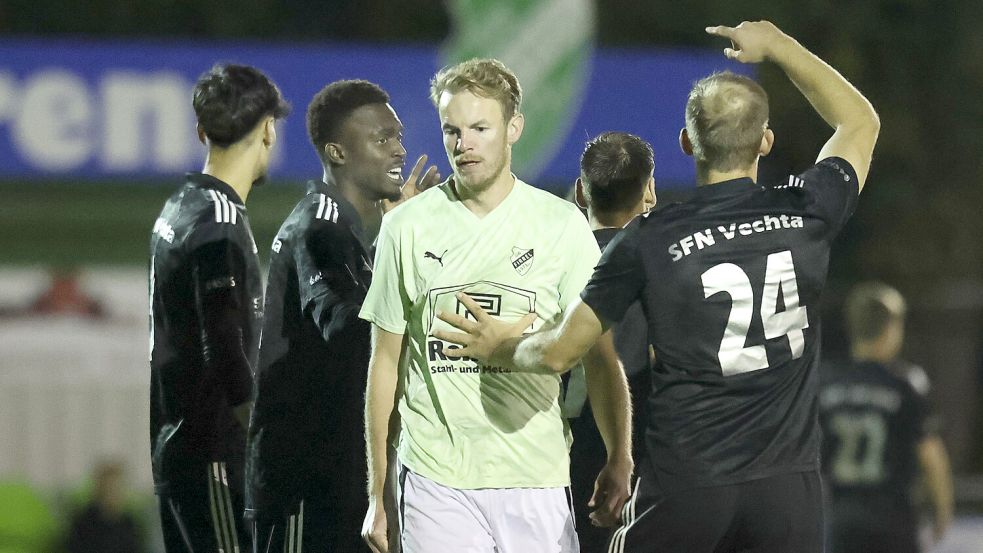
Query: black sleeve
point(832, 184)
point(327, 265)
point(218, 273)
point(619, 277)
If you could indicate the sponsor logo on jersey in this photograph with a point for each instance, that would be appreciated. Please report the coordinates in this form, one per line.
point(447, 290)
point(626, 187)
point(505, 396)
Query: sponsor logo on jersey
point(491, 303)
point(521, 260)
point(277, 244)
point(315, 278)
point(435, 257)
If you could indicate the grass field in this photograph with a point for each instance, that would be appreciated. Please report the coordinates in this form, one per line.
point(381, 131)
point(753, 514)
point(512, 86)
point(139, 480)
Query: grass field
point(67, 224)
point(106, 223)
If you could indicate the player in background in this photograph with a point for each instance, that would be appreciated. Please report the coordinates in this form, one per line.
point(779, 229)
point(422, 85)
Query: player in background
point(206, 301)
point(616, 184)
point(879, 440)
point(730, 282)
point(483, 448)
point(306, 456)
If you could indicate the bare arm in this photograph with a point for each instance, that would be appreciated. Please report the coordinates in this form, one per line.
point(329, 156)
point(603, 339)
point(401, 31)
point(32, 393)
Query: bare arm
point(855, 123)
point(380, 417)
point(934, 462)
point(607, 388)
point(551, 350)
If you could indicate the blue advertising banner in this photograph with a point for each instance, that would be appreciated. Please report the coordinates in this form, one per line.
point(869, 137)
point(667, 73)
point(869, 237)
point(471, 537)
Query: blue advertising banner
point(118, 109)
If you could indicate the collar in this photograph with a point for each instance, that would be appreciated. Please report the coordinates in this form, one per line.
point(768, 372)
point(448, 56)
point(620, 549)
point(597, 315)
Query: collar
point(726, 188)
point(201, 180)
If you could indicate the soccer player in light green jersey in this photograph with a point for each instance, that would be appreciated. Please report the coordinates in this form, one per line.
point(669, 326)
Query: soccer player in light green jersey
point(482, 450)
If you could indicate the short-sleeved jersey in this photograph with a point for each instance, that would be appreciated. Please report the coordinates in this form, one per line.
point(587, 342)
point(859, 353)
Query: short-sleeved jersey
point(310, 387)
point(464, 424)
point(873, 417)
point(730, 282)
point(201, 243)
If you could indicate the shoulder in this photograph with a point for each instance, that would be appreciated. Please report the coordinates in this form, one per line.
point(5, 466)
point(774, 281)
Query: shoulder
point(547, 203)
point(831, 170)
point(914, 377)
point(418, 208)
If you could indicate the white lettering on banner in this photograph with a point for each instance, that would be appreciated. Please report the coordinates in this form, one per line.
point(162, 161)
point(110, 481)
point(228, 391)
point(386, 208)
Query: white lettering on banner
point(125, 121)
point(8, 91)
point(54, 121)
point(147, 114)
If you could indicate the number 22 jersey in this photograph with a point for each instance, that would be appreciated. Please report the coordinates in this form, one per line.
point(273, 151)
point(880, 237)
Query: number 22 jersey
point(730, 282)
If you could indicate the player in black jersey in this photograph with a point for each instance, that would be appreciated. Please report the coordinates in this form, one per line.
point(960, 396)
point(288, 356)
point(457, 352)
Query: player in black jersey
point(878, 436)
point(206, 306)
point(616, 184)
point(730, 283)
point(306, 468)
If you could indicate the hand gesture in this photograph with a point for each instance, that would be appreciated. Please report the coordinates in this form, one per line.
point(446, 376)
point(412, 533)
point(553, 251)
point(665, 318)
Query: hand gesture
point(415, 183)
point(750, 42)
point(482, 336)
point(611, 489)
point(375, 526)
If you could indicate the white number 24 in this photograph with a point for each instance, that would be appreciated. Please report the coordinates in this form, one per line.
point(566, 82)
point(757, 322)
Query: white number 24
point(728, 278)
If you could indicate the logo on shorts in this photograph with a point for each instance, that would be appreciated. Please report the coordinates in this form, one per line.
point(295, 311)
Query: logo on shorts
point(521, 260)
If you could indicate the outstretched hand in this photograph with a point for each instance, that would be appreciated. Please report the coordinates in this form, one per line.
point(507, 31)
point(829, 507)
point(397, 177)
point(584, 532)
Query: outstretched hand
point(417, 182)
point(751, 42)
point(482, 336)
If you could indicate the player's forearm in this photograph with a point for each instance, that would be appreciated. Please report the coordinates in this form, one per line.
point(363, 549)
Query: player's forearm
point(380, 401)
point(934, 462)
point(838, 102)
point(534, 353)
point(610, 399)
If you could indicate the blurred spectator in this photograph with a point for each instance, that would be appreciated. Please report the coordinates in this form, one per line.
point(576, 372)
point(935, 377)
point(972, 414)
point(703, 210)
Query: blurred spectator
point(104, 525)
point(879, 436)
point(65, 296)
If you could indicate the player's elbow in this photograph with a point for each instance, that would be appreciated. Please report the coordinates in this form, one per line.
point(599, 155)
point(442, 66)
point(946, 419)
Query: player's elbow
point(557, 362)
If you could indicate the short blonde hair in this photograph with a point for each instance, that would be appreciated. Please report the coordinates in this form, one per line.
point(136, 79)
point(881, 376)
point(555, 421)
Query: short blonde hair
point(482, 76)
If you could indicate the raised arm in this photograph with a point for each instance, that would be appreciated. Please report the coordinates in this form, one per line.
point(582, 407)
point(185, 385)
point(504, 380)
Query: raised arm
point(842, 106)
point(380, 422)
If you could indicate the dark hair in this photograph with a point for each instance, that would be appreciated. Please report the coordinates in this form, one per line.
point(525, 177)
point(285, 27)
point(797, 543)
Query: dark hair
point(230, 100)
point(333, 104)
point(726, 116)
point(614, 168)
point(870, 308)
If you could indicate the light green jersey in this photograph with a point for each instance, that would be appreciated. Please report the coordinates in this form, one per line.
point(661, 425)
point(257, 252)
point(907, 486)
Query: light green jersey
point(466, 425)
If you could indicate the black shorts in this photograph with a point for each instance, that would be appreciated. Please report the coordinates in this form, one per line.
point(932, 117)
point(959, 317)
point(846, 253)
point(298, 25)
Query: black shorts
point(327, 519)
point(204, 514)
point(779, 514)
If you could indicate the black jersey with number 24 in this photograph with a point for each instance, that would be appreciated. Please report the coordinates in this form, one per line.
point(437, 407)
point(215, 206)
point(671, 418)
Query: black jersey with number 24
point(730, 282)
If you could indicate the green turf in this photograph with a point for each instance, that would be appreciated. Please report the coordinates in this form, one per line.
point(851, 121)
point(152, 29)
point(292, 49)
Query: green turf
point(68, 224)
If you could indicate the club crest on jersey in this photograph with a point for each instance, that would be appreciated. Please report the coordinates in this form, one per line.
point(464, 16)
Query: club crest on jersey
point(521, 260)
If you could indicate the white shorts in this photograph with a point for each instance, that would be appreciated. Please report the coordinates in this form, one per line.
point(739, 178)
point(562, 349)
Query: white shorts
point(436, 518)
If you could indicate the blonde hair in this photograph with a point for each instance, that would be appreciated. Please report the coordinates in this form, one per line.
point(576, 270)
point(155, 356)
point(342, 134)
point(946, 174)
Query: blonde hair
point(485, 77)
point(726, 116)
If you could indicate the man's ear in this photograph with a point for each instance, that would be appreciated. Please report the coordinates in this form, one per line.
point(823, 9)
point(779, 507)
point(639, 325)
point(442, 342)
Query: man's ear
point(767, 141)
point(579, 195)
point(334, 153)
point(201, 135)
point(684, 142)
point(649, 195)
point(514, 128)
point(269, 132)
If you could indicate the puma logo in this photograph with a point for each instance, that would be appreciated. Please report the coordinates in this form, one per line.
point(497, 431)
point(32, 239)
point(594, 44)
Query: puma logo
point(429, 255)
